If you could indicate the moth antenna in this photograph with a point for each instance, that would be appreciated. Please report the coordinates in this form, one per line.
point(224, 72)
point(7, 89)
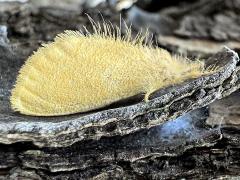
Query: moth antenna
point(118, 33)
point(104, 29)
point(91, 19)
point(99, 28)
point(126, 27)
point(101, 16)
point(93, 23)
point(113, 30)
point(128, 31)
point(86, 30)
point(104, 24)
point(108, 31)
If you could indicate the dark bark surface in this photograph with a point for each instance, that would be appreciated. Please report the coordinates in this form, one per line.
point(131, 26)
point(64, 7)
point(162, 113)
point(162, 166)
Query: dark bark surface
point(204, 153)
point(128, 139)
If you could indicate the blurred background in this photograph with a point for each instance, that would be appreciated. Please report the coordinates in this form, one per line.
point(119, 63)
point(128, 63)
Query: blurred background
point(192, 27)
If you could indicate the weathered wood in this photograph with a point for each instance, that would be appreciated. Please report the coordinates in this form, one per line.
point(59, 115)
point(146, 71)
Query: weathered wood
point(193, 151)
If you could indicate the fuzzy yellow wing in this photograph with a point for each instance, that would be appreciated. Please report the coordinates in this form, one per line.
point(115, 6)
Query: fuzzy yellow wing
point(78, 73)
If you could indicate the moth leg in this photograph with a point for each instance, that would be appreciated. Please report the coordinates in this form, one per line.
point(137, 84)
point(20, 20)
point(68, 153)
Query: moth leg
point(147, 95)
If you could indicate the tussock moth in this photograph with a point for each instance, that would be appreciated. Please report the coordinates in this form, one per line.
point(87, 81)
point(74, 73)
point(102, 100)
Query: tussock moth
point(80, 72)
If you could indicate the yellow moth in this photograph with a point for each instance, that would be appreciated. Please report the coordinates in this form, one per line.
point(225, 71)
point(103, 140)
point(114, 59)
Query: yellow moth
point(80, 72)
